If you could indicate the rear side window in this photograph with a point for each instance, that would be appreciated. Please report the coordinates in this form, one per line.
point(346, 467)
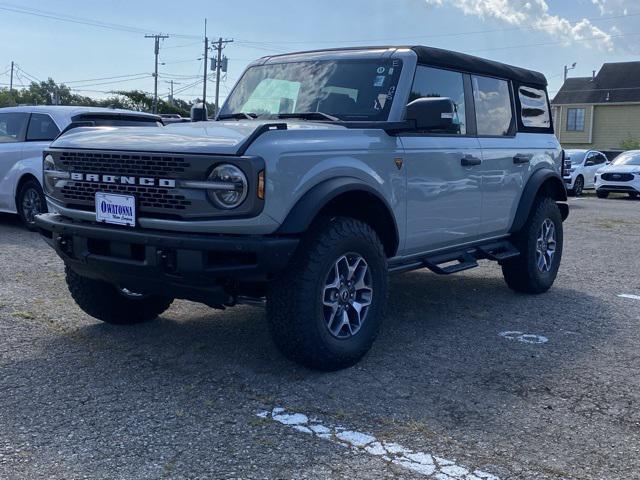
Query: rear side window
point(12, 127)
point(42, 128)
point(534, 107)
point(435, 82)
point(494, 113)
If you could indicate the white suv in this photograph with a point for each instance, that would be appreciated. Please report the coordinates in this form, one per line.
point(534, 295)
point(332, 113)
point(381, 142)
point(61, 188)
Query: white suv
point(622, 176)
point(26, 131)
point(584, 166)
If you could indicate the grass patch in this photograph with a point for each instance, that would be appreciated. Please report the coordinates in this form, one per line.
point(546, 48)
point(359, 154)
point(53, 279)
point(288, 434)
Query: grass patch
point(23, 314)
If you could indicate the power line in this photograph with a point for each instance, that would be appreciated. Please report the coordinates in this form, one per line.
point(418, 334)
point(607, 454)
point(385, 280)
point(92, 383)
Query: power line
point(105, 78)
point(79, 20)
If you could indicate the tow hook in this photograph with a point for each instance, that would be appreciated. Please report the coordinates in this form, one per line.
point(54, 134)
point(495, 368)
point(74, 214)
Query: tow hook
point(65, 243)
point(167, 260)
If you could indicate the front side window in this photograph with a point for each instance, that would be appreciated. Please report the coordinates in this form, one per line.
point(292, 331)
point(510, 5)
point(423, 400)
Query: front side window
point(575, 119)
point(42, 128)
point(12, 127)
point(435, 82)
point(494, 114)
point(351, 90)
point(534, 107)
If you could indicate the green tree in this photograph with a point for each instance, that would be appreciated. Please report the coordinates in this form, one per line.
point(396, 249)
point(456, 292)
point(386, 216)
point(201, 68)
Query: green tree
point(630, 144)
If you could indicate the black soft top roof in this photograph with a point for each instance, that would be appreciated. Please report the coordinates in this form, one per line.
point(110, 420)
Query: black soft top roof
point(439, 57)
point(468, 63)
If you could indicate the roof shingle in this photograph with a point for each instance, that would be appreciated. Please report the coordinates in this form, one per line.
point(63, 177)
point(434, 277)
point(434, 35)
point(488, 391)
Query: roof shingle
point(614, 83)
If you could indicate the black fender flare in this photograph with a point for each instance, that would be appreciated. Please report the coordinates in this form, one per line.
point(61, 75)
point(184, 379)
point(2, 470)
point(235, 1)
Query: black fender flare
point(542, 178)
point(317, 197)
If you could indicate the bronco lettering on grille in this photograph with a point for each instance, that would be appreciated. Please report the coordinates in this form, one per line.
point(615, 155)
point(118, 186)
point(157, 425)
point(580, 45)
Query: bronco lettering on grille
point(124, 180)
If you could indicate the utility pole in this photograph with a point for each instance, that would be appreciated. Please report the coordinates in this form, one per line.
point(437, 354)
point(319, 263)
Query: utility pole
point(172, 83)
point(11, 79)
point(566, 70)
point(156, 51)
point(219, 65)
point(205, 58)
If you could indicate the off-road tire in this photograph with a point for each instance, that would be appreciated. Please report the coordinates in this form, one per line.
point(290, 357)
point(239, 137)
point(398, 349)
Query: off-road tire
point(294, 302)
point(522, 273)
point(33, 189)
point(107, 303)
point(602, 194)
point(578, 186)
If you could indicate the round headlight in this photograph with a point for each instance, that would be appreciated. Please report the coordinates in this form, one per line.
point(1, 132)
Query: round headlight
point(235, 186)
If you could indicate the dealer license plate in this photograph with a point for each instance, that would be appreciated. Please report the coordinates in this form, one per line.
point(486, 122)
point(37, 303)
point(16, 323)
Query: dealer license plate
point(116, 209)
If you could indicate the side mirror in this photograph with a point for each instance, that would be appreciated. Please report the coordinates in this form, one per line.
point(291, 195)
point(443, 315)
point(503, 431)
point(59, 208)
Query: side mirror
point(433, 114)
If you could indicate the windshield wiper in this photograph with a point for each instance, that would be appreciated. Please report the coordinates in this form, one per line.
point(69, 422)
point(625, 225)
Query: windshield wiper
point(309, 116)
point(238, 116)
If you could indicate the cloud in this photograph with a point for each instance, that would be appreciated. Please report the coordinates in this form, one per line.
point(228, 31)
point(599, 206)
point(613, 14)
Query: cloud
point(534, 14)
point(616, 7)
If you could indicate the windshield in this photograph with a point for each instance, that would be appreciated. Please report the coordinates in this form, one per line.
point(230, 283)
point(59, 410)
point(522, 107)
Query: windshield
point(576, 156)
point(356, 90)
point(628, 158)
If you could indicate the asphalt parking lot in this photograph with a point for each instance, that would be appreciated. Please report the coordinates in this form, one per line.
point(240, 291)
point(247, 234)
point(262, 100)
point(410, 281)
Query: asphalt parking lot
point(500, 385)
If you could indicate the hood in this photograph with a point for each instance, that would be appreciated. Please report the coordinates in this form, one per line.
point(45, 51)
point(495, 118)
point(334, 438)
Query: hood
point(620, 169)
point(224, 137)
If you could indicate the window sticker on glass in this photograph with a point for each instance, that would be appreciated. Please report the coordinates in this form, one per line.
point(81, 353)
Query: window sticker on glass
point(381, 70)
point(390, 71)
point(379, 81)
point(380, 101)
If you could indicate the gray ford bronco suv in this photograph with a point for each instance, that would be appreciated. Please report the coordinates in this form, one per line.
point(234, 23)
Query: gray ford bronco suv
point(323, 173)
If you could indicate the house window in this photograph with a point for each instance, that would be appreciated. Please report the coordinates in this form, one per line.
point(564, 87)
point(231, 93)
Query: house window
point(575, 119)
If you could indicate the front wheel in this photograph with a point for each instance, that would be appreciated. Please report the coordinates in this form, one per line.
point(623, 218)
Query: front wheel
point(602, 193)
point(578, 186)
point(633, 194)
point(540, 245)
point(30, 202)
point(325, 311)
point(112, 304)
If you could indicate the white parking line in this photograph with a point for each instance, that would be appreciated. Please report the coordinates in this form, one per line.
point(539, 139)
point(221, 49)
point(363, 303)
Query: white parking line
point(423, 463)
point(628, 295)
point(524, 337)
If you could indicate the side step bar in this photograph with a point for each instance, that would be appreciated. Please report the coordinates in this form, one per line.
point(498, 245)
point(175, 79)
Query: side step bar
point(459, 260)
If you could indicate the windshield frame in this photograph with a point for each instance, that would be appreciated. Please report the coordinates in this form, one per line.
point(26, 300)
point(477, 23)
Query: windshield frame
point(389, 110)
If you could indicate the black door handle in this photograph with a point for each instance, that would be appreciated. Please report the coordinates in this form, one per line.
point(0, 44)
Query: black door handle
point(518, 159)
point(470, 161)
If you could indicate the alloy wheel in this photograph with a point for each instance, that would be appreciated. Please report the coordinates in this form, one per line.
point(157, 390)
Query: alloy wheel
point(546, 246)
point(31, 205)
point(347, 295)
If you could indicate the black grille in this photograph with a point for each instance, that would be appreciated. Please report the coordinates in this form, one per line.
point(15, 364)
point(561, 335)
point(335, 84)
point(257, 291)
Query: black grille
point(617, 177)
point(123, 164)
point(151, 197)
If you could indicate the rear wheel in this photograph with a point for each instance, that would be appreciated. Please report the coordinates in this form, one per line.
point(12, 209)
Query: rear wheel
point(112, 304)
point(602, 193)
point(578, 186)
point(30, 202)
point(540, 244)
point(325, 311)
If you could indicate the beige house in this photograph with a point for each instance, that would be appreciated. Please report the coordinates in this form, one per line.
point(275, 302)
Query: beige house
point(599, 112)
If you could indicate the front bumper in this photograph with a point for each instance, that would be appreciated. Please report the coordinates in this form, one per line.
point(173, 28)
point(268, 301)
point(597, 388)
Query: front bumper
point(618, 187)
point(190, 266)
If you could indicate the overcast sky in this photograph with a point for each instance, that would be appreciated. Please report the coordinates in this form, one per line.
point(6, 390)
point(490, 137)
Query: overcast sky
point(543, 35)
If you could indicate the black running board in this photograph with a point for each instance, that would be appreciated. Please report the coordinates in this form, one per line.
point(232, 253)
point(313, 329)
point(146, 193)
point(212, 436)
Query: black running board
point(455, 261)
